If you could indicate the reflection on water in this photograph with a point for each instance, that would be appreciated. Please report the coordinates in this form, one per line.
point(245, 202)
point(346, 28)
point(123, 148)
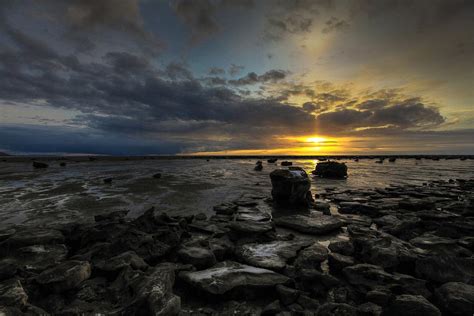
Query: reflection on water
point(77, 192)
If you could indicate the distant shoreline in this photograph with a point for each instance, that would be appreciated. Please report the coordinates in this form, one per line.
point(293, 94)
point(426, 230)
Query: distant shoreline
point(84, 158)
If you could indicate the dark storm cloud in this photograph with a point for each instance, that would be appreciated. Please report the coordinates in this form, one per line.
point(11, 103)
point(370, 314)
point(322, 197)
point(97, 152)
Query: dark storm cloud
point(216, 71)
point(235, 69)
point(252, 78)
point(200, 16)
point(399, 116)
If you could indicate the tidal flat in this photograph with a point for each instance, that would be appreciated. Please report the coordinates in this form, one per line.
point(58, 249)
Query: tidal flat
point(208, 237)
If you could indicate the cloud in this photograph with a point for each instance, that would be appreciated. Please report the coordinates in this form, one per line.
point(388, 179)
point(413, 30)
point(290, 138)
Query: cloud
point(216, 71)
point(335, 24)
point(252, 78)
point(235, 69)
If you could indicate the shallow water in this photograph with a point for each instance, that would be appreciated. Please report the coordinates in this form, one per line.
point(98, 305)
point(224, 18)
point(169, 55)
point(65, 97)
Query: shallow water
point(188, 186)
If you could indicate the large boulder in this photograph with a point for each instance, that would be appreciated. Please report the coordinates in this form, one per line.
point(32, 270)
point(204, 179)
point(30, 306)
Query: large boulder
point(12, 294)
point(228, 276)
point(411, 305)
point(331, 169)
point(199, 257)
point(316, 224)
point(442, 269)
point(290, 186)
point(456, 298)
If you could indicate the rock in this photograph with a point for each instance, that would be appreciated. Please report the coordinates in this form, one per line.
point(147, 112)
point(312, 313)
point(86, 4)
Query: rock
point(62, 164)
point(336, 309)
point(344, 247)
point(12, 294)
point(258, 166)
point(337, 262)
point(286, 163)
point(7, 269)
point(272, 309)
point(357, 208)
point(272, 255)
point(108, 180)
point(331, 169)
point(411, 305)
point(440, 245)
point(369, 309)
point(68, 275)
point(436, 269)
point(32, 236)
point(380, 296)
point(287, 295)
point(322, 206)
point(40, 165)
point(272, 160)
point(37, 258)
point(200, 217)
point(199, 257)
point(455, 298)
point(311, 257)
point(227, 276)
point(243, 228)
point(157, 176)
point(371, 277)
point(226, 208)
point(290, 186)
point(316, 224)
point(111, 217)
point(126, 259)
point(252, 214)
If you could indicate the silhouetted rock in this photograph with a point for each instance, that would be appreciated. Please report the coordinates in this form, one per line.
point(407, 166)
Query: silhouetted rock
point(331, 169)
point(199, 257)
point(68, 275)
point(40, 165)
point(108, 180)
point(272, 160)
point(258, 166)
point(290, 186)
point(455, 298)
point(286, 163)
point(157, 175)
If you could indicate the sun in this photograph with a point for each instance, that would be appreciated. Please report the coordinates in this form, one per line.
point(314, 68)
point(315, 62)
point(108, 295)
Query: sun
point(316, 140)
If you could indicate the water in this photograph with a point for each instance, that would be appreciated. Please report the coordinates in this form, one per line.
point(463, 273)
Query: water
point(188, 186)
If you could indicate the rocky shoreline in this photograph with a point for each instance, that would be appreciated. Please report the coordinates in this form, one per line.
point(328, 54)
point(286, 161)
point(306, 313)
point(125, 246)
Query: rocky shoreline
point(387, 251)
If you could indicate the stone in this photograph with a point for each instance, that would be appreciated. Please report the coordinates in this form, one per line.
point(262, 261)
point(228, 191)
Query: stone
point(108, 180)
point(199, 257)
point(157, 175)
point(40, 165)
point(455, 298)
point(12, 294)
point(411, 305)
point(7, 269)
point(272, 309)
point(290, 186)
point(358, 208)
point(286, 294)
point(440, 245)
point(371, 277)
point(311, 257)
point(258, 166)
point(331, 169)
point(227, 276)
point(272, 255)
point(286, 163)
point(344, 247)
point(250, 227)
point(126, 259)
point(316, 224)
point(336, 309)
point(111, 217)
point(369, 309)
point(322, 206)
point(68, 275)
point(37, 258)
point(226, 208)
point(443, 269)
point(31, 236)
point(380, 296)
point(337, 262)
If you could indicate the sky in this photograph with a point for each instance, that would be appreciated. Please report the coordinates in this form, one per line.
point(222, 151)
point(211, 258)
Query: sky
point(305, 77)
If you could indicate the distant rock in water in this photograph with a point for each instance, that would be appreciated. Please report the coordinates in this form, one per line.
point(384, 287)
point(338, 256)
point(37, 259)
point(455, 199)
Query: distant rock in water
point(62, 164)
point(290, 186)
point(272, 160)
point(392, 159)
point(286, 163)
point(108, 180)
point(40, 165)
point(331, 169)
point(258, 166)
point(157, 175)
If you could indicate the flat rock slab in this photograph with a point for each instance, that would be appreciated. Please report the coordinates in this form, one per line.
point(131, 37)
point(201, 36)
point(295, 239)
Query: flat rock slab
point(316, 224)
point(251, 227)
point(272, 255)
point(456, 298)
point(65, 276)
point(230, 275)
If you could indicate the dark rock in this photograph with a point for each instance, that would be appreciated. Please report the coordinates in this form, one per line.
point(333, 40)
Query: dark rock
point(455, 298)
point(272, 160)
point(358, 208)
point(308, 303)
point(199, 257)
point(290, 186)
point(440, 245)
point(258, 166)
point(371, 277)
point(272, 255)
point(243, 228)
point(108, 180)
point(316, 224)
point(411, 305)
point(12, 294)
point(157, 175)
point(380, 296)
point(287, 295)
point(344, 247)
point(273, 308)
point(37, 258)
point(62, 164)
point(112, 217)
point(200, 217)
point(369, 309)
point(29, 237)
point(7, 269)
point(126, 259)
point(322, 206)
point(336, 309)
point(40, 165)
point(331, 169)
point(286, 163)
point(67, 275)
point(228, 275)
point(311, 257)
point(337, 262)
point(226, 208)
point(442, 269)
